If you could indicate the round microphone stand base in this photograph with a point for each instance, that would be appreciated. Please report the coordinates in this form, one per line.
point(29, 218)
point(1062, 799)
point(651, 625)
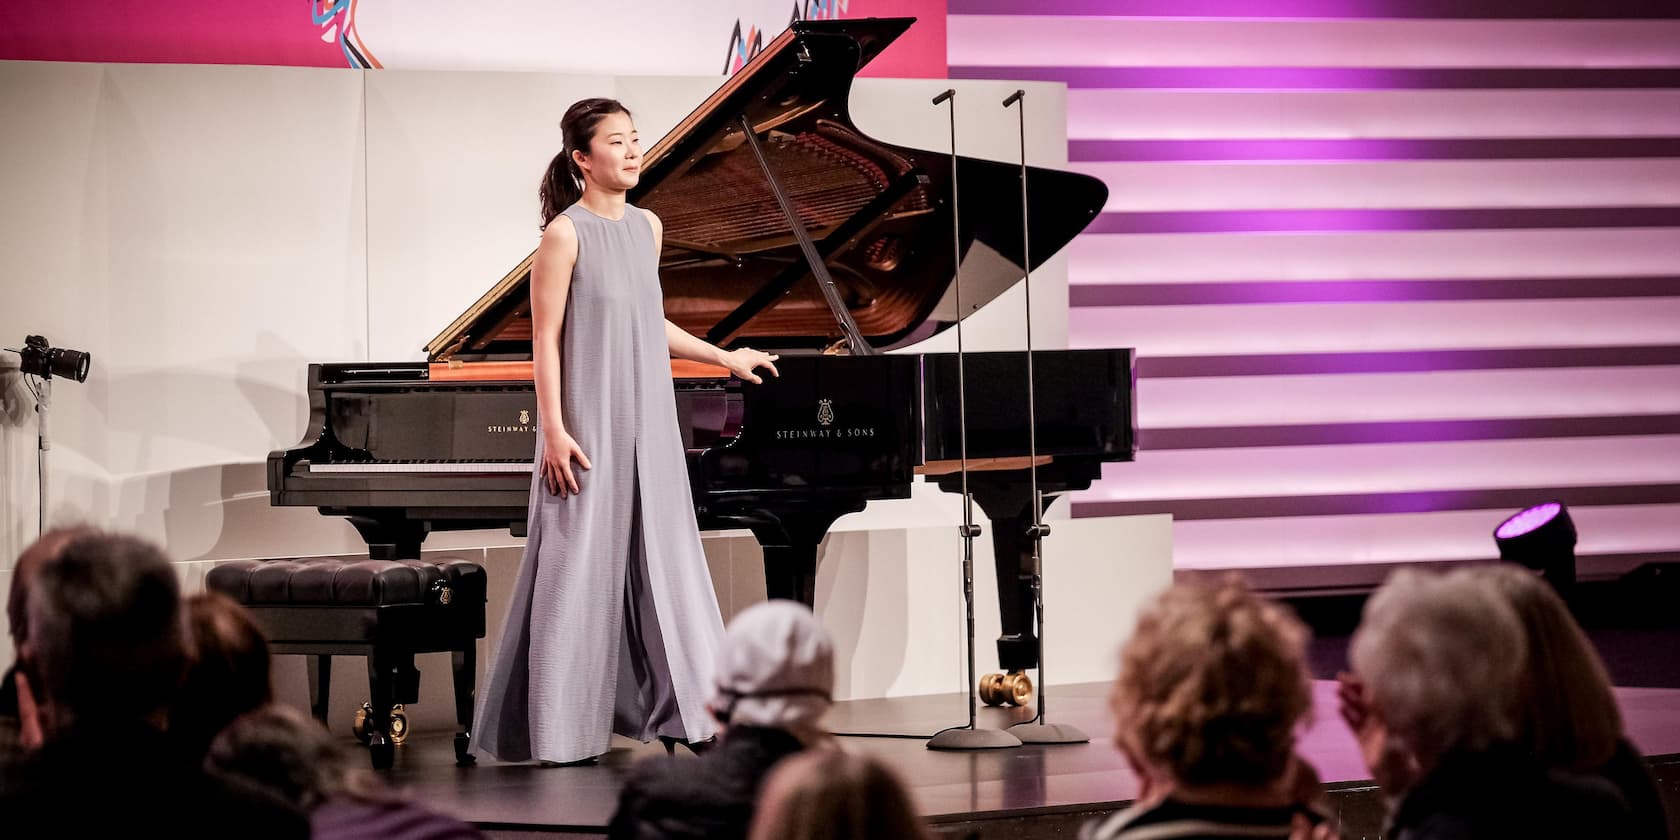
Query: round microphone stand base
point(1039, 732)
point(967, 738)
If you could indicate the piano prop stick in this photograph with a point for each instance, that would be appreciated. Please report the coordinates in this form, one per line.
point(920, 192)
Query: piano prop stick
point(969, 736)
point(813, 260)
point(1038, 730)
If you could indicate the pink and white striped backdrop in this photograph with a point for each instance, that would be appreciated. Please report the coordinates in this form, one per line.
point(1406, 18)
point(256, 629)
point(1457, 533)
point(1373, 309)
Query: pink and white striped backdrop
point(1393, 269)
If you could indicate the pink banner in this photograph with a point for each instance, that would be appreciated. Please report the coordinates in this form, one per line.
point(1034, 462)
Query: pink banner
point(920, 53)
point(674, 36)
point(205, 32)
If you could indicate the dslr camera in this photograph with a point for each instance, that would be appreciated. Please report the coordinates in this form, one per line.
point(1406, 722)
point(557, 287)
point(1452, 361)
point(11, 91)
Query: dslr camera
point(46, 361)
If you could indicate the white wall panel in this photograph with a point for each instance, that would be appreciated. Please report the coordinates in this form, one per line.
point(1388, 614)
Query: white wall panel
point(1374, 255)
point(453, 161)
point(1436, 395)
point(52, 276)
point(1653, 182)
point(1340, 114)
point(1348, 327)
point(1262, 472)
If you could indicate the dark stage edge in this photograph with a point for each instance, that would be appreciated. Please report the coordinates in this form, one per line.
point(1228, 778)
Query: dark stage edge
point(1028, 792)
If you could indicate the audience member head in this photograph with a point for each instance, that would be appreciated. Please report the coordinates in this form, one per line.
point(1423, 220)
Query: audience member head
point(29, 563)
point(830, 795)
point(227, 676)
point(1566, 712)
point(1212, 685)
point(291, 756)
point(776, 669)
point(106, 644)
point(1441, 659)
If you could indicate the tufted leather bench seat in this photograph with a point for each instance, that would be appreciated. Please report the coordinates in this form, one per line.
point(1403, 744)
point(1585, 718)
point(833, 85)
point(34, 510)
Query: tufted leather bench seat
point(385, 610)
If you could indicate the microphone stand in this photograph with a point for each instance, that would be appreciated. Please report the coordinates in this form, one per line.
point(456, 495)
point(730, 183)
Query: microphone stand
point(1038, 730)
point(968, 736)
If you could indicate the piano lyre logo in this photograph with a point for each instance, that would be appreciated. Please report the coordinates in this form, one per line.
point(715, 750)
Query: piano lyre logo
point(825, 412)
point(522, 427)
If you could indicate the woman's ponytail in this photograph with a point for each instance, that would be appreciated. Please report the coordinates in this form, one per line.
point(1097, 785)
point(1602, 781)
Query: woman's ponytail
point(559, 188)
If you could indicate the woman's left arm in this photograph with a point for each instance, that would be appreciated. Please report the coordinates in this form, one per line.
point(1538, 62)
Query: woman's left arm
point(741, 361)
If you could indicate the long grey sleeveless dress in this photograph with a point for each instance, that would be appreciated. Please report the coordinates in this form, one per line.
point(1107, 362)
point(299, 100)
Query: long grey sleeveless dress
point(613, 624)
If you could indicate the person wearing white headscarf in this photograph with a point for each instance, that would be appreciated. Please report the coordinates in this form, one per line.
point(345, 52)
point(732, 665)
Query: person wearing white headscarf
point(774, 682)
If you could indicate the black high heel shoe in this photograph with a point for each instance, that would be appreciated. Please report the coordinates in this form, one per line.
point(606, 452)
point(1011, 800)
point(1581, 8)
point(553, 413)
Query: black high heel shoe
point(697, 747)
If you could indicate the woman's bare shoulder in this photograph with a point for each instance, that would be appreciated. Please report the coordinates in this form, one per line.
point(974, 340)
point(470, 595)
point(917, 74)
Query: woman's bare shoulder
point(560, 237)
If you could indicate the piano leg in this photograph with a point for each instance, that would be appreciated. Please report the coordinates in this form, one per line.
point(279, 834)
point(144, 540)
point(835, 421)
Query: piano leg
point(391, 539)
point(1005, 496)
point(790, 571)
point(790, 543)
point(1006, 504)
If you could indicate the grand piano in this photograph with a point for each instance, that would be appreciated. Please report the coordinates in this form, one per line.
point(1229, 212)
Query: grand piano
point(786, 228)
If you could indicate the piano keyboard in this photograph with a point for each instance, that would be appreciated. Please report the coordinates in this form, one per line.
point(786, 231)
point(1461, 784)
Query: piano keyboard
point(425, 467)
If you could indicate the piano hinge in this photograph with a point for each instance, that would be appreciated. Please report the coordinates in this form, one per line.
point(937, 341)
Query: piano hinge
point(451, 350)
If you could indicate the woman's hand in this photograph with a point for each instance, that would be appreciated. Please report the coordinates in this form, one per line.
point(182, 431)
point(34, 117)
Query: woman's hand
point(559, 449)
point(31, 732)
point(743, 360)
point(1306, 791)
point(1303, 827)
point(1351, 692)
point(1393, 769)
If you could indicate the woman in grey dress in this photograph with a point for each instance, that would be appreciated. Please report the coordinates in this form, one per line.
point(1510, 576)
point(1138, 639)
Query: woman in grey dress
point(613, 624)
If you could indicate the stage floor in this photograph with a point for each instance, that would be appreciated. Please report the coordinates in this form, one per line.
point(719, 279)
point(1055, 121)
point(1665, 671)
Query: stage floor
point(949, 788)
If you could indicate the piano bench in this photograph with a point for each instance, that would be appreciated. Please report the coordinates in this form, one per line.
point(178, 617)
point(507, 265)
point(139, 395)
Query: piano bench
point(385, 610)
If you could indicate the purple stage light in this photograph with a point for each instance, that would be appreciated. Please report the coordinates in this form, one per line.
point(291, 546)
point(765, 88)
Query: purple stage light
point(1541, 537)
point(1527, 521)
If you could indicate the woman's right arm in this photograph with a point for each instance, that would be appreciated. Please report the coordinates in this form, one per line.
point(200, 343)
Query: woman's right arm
point(551, 281)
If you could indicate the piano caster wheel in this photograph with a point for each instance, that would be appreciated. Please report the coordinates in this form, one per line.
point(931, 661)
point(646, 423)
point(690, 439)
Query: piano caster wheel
point(1012, 689)
point(383, 755)
point(1019, 687)
point(399, 723)
point(364, 732)
point(463, 755)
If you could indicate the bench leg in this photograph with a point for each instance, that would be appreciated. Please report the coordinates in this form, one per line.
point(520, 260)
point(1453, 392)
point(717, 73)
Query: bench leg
point(319, 667)
point(382, 676)
point(465, 666)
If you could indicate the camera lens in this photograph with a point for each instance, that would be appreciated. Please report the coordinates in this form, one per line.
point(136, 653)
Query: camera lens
point(69, 364)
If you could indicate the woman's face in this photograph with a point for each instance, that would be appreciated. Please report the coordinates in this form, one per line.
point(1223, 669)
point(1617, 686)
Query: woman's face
point(614, 161)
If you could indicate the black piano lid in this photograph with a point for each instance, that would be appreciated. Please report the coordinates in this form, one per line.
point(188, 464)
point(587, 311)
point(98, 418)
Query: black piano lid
point(880, 214)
